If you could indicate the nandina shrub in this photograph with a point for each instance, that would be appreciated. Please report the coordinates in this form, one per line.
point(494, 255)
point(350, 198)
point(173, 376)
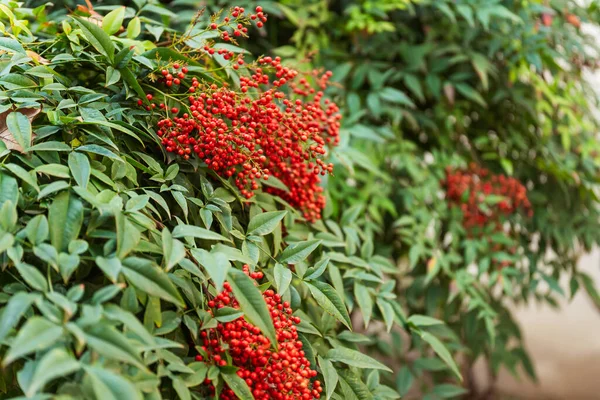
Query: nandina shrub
point(431, 84)
point(120, 241)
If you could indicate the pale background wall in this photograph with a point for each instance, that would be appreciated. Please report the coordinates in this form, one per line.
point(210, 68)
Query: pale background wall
point(564, 346)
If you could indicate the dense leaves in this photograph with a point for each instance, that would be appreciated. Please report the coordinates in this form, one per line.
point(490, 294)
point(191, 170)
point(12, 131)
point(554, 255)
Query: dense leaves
point(464, 180)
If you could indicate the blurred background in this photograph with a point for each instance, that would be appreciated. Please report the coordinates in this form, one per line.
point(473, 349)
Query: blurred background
point(563, 344)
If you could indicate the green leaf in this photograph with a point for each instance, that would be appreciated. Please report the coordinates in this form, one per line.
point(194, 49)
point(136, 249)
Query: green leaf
point(297, 252)
point(481, 66)
point(50, 146)
point(276, 183)
point(353, 387)
point(65, 217)
point(57, 363)
point(110, 266)
point(404, 381)
point(79, 165)
point(51, 188)
point(184, 231)
point(20, 128)
point(128, 235)
point(37, 334)
point(94, 148)
point(111, 23)
point(22, 174)
point(355, 358)
point(238, 385)
point(181, 389)
point(110, 386)
point(252, 303)
point(32, 276)
point(396, 96)
point(327, 298)
point(112, 76)
point(424, 320)
point(317, 270)
point(447, 391)
point(365, 302)
point(146, 276)
point(283, 278)
point(9, 189)
point(441, 351)
point(216, 265)
point(132, 81)
point(112, 344)
point(97, 38)
point(17, 306)
point(265, 223)
point(330, 376)
point(11, 45)
point(6, 242)
point(173, 250)
point(130, 321)
point(227, 314)
point(470, 93)
point(8, 218)
point(134, 28)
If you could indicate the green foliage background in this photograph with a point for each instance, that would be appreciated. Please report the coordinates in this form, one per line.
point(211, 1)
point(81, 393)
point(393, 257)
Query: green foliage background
point(109, 249)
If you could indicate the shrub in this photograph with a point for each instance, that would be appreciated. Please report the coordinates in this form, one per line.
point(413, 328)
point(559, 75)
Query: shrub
point(430, 85)
point(145, 226)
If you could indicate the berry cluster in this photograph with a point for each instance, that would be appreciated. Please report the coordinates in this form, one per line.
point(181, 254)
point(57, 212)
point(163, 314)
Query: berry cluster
point(260, 130)
point(284, 374)
point(469, 188)
point(238, 15)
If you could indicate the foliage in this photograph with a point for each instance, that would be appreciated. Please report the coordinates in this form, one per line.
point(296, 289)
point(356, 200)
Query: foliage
point(114, 248)
point(428, 85)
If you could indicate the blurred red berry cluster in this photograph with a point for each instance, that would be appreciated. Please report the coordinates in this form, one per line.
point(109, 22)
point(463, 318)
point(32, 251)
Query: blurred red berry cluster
point(283, 374)
point(472, 188)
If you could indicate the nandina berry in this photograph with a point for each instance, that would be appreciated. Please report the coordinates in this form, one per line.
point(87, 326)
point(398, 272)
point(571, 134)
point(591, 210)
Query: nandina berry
point(270, 374)
point(270, 132)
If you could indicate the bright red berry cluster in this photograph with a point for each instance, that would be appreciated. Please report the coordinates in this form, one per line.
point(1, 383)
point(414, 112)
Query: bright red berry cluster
point(259, 130)
point(283, 374)
point(469, 188)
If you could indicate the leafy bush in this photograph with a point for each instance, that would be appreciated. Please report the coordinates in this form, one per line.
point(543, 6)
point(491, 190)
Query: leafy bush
point(428, 86)
point(464, 184)
point(139, 259)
